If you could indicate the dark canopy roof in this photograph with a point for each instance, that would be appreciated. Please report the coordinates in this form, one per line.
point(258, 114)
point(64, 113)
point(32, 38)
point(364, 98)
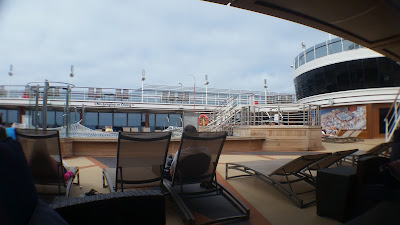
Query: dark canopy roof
point(374, 24)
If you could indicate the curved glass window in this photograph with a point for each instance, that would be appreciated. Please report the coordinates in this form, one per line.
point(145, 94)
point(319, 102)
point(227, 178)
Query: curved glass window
point(351, 75)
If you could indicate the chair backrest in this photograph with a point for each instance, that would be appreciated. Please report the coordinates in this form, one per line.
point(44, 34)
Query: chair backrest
point(378, 149)
point(356, 133)
point(172, 96)
point(118, 94)
point(91, 93)
point(198, 157)
point(299, 164)
point(347, 133)
point(126, 129)
point(134, 129)
point(146, 129)
point(43, 154)
point(330, 160)
point(125, 94)
point(180, 96)
point(141, 159)
point(165, 96)
point(186, 98)
point(99, 92)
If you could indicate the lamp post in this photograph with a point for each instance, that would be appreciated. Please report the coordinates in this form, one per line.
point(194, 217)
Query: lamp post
point(206, 84)
point(181, 92)
point(143, 79)
point(71, 75)
point(194, 93)
point(10, 74)
point(265, 89)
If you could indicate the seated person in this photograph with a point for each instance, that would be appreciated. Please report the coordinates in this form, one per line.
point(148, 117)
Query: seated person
point(19, 201)
point(324, 133)
point(45, 168)
point(200, 151)
point(334, 132)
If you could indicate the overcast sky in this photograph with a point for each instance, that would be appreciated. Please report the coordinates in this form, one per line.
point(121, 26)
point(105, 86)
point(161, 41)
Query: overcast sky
point(110, 42)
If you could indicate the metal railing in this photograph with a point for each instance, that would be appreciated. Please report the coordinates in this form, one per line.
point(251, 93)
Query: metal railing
point(228, 116)
point(323, 49)
point(392, 118)
point(159, 95)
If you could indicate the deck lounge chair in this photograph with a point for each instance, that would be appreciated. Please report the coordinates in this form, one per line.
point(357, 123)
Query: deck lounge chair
point(140, 161)
point(194, 186)
point(375, 151)
point(354, 136)
point(282, 175)
point(345, 138)
point(43, 154)
point(334, 158)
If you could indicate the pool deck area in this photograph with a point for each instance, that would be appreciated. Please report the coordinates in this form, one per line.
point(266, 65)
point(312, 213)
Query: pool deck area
point(267, 205)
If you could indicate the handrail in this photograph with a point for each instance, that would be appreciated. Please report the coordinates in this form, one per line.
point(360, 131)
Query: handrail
point(392, 118)
point(393, 104)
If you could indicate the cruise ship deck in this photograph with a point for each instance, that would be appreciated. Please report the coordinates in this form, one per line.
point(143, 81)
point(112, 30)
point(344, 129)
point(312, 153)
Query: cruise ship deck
point(267, 205)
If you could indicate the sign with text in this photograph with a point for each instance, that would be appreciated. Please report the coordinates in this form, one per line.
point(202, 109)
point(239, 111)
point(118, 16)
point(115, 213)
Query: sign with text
point(113, 104)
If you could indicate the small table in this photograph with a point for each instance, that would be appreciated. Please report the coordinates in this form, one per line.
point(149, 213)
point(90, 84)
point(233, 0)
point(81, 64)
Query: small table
point(336, 192)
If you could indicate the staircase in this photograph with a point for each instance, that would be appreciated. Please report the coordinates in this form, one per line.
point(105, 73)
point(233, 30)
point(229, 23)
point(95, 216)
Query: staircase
point(392, 118)
point(224, 116)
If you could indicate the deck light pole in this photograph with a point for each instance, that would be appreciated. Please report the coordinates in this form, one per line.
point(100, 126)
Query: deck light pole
point(71, 75)
point(206, 84)
point(143, 79)
point(194, 93)
point(265, 89)
point(10, 74)
point(181, 91)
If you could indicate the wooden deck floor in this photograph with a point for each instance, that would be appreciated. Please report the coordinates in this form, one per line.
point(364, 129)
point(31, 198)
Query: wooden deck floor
point(267, 205)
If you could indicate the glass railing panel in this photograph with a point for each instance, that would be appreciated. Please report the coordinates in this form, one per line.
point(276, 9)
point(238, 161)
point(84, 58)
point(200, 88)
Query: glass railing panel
point(320, 50)
point(334, 46)
point(348, 45)
point(310, 54)
point(301, 59)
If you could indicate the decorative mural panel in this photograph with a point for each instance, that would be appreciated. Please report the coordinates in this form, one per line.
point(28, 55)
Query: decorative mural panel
point(345, 118)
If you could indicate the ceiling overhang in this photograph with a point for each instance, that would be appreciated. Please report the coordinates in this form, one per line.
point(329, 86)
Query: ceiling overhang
point(374, 24)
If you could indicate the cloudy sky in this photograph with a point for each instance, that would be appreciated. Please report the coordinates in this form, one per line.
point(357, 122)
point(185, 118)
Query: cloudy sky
point(109, 42)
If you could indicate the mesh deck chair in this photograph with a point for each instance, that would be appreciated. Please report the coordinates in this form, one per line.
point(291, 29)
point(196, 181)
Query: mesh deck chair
point(140, 161)
point(282, 175)
point(194, 177)
point(354, 135)
point(334, 158)
point(375, 151)
point(345, 138)
point(43, 154)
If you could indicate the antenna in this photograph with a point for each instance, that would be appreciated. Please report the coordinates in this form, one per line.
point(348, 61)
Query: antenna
point(72, 71)
point(11, 72)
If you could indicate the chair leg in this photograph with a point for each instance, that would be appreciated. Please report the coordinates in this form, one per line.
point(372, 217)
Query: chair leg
point(104, 182)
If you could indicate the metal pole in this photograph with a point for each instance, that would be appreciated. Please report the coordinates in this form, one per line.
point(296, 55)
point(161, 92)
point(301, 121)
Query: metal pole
point(67, 104)
point(44, 109)
point(265, 89)
point(143, 79)
point(36, 118)
point(206, 83)
point(194, 93)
